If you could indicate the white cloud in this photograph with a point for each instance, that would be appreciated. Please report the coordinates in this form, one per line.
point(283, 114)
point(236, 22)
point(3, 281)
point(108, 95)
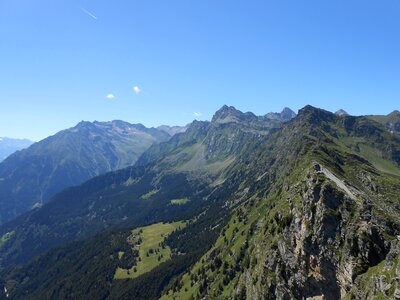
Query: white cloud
point(136, 89)
point(110, 96)
point(197, 114)
point(89, 13)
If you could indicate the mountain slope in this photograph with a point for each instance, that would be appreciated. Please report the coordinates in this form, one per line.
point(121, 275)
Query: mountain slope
point(31, 176)
point(325, 227)
point(8, 146)
point(390, 121)
point(190, 165)
point(307, 208)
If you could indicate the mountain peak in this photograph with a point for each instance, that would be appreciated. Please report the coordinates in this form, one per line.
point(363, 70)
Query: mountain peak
point(309, 109)
point(82, 125)
point(229, 114)
point(287, 114)
point(315, 115)
point(341, 112)
point(172, 130)
point(225, 109)
point(395, 113)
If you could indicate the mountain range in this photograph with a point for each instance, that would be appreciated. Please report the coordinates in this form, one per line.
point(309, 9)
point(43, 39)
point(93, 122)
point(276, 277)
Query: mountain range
point(8, 146)
point(30, 177)
point(279, 206)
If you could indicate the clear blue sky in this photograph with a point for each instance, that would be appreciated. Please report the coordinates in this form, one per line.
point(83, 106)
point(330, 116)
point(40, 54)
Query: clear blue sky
point(60, 59)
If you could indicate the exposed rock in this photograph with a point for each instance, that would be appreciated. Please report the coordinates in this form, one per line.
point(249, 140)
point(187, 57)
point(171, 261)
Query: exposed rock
point(341, 112)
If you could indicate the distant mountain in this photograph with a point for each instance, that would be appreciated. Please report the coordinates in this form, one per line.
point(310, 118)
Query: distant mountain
point(228, 114)
point(390, 121)
point(9, 146)
point(172, 130)
point(286, 115)
point(30, 177)
point(341, 112)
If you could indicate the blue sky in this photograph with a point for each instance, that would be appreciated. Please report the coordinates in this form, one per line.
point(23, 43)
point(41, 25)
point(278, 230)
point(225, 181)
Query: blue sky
point(60, 59)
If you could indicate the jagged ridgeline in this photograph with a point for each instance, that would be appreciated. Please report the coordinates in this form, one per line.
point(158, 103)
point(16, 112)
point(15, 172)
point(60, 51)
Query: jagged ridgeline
point(269, 207)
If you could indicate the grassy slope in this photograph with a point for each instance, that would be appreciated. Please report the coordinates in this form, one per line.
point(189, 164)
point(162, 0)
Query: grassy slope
point(152, 236)
point(374, 157)
point(180, 201)
point(234, 233)
point(238, 239)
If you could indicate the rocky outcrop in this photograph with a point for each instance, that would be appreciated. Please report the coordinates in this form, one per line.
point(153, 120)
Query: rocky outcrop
point(382, 280)
point(326, 245)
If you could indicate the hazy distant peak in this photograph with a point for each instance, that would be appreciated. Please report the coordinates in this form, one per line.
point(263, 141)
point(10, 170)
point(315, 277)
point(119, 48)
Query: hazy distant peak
point(10, 145)
point(285, 115)
point(15, 141)
point(341, 112)
point(172, 130)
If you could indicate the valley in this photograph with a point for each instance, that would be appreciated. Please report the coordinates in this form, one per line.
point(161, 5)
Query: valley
point(300, 207)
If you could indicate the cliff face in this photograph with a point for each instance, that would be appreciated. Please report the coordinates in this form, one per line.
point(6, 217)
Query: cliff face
point(381, 281)
point(326, 238)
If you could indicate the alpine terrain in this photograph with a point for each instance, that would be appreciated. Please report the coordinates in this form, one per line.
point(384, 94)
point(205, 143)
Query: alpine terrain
point(279, 206)
point(30, 177)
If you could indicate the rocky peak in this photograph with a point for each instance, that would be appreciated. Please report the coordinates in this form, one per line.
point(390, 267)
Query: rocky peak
point(395, 113)
point(229, 114)
point(341, 112)
point(312, 115)
point(82, 124)
point(287, 114)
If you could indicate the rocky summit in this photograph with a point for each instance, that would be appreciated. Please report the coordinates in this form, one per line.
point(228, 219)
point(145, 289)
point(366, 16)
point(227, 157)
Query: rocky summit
point(279, 206)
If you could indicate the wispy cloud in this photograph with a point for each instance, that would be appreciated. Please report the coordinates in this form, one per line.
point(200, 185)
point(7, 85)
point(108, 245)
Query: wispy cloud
point(136, 89)
point(88, 13)
point(197, 114)
point(110, 96)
